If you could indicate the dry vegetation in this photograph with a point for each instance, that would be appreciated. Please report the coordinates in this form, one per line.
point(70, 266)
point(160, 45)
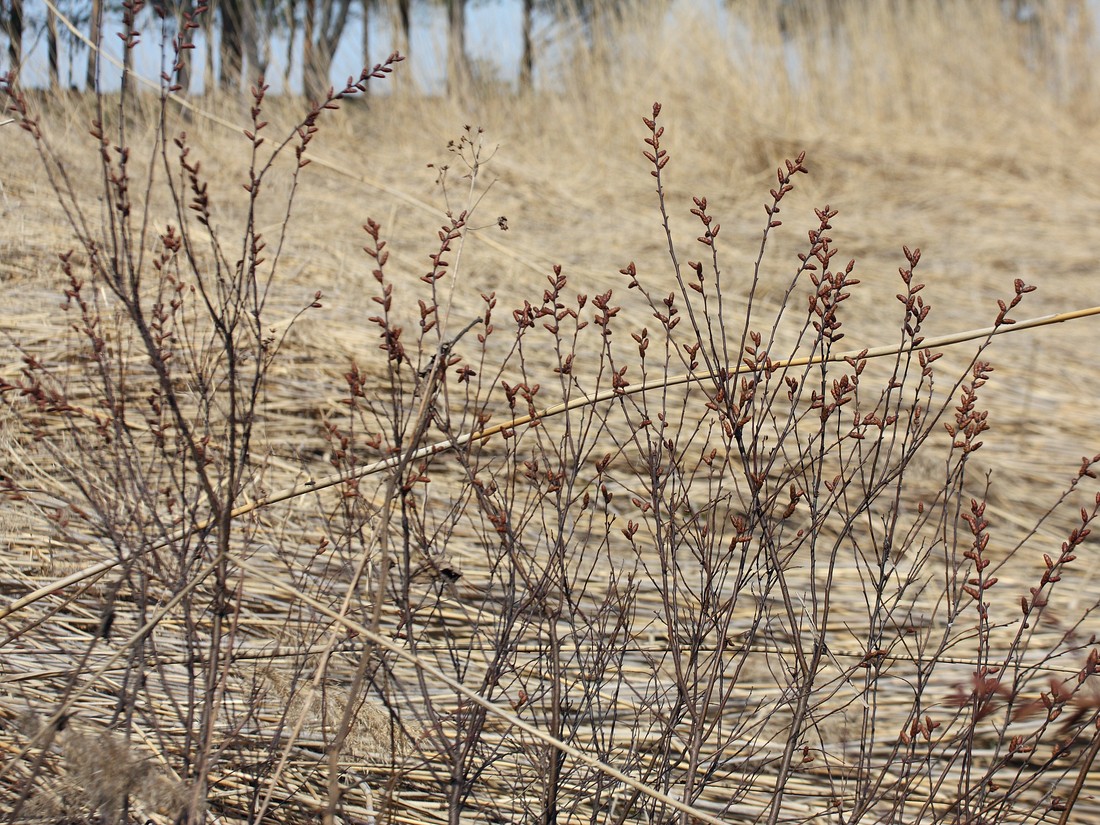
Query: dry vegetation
point(727, 596)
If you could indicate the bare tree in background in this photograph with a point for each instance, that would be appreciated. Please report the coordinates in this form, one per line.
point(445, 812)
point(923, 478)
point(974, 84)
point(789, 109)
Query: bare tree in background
point(309, 18)
point(365, 6)
point(51, 48)
point(290, 20)
point(458, 62)
point(243, 43)
point(402, 14)
point(231, 47)
point(246, 29)
point(184, 7)
point(95, 34)
point(599, 19)
point(322, 28)
point(209, 79)
point(527, 60)
point(12, 14)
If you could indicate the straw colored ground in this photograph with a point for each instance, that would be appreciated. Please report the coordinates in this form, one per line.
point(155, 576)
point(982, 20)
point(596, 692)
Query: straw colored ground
point(927, 129)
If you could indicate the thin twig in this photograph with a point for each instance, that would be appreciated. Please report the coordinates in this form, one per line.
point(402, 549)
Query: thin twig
point(1086, 766)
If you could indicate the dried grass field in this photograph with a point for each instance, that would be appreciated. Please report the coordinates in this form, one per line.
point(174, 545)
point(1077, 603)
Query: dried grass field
point(780, 591)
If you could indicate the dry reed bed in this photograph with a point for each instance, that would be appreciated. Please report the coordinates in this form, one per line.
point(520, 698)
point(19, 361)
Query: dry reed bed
point(299, 395)
point(39, 664)
point(986, 203)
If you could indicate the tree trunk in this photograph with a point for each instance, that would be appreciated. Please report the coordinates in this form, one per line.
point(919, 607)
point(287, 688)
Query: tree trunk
point(209, 76)
point(309, 62)
point(13, 28)
point(51, 49)
point(401, 23)
point(96, 36)
point(365, 5)
point(404, 14)
point(183, 75)
point(232, 46)
point(458, 66)
point(292, 36)
point(257, 24)
point(598, 25)
point(527, 61)
point(322, 38)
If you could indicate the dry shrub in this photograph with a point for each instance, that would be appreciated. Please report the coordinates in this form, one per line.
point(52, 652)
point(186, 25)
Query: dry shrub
point(668, 549)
